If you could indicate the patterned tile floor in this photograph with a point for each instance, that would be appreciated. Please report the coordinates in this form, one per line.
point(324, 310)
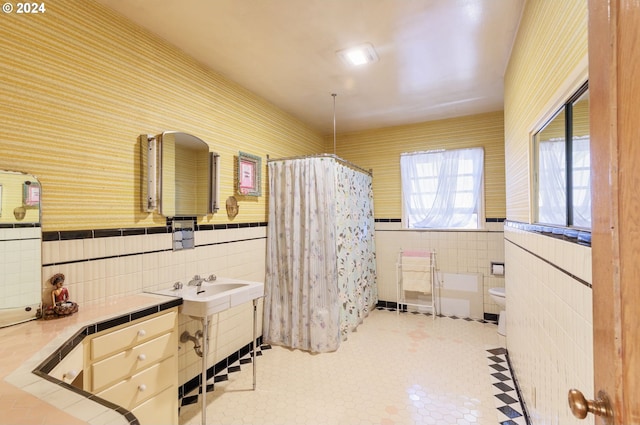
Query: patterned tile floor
point(505, 392)
point(394, 370)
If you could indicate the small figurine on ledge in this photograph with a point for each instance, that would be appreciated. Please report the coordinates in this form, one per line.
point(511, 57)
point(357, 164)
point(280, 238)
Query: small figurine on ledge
point(61, 305)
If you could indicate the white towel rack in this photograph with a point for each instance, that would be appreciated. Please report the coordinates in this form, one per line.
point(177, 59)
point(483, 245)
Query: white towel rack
point(416, 273)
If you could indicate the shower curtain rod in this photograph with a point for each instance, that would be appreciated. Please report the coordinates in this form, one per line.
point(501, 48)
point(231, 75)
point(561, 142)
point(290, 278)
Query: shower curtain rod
point(326, 155)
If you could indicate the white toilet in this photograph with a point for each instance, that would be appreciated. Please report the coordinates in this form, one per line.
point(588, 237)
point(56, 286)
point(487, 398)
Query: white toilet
point(498, 296)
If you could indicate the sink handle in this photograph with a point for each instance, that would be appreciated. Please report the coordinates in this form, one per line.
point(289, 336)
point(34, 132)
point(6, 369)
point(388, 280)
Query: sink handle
point(211, 278)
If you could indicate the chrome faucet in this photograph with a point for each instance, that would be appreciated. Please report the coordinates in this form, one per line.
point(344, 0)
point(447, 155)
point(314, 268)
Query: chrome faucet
point(196, 281)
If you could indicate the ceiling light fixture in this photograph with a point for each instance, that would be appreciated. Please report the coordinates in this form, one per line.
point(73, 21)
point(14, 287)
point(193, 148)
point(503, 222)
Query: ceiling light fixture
point(358, 55)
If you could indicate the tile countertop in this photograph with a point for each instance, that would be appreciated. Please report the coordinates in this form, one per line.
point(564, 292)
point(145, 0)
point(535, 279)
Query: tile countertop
point(26, 398)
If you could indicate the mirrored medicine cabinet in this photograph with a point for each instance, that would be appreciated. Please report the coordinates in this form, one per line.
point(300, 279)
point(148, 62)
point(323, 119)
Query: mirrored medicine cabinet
point(180, 175)
point(20, 247)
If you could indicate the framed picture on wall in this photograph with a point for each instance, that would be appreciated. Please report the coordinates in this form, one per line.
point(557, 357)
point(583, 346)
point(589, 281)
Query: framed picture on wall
point(249, 169)
point(31, 194)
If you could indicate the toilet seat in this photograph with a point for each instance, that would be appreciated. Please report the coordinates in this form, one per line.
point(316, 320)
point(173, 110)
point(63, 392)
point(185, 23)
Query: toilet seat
point(498, 295)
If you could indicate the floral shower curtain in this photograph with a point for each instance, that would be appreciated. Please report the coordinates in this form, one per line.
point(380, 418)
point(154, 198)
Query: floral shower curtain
point(320, 281)
point(357, 287)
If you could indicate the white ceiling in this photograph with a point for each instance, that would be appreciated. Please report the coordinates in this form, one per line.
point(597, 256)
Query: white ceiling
point(438, 58)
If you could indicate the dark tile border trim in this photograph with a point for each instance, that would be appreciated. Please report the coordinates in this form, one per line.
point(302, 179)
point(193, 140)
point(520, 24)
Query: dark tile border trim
point(506, 378)
point(18, 225)
point(222, 365)
point(399, 220)
point(393, 306)
point(43, 369)
point(64, 235)
point(581, 237)
point(525, 410)
point(101, 233)
point(491, 317)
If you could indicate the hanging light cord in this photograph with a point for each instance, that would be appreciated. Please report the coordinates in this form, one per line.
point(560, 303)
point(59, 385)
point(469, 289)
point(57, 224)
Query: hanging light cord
point(334, 122)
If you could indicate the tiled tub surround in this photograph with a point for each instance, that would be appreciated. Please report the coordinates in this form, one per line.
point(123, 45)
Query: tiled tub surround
point(549, 339)
point(458, 252)
point(27, 398)
point(103, 264)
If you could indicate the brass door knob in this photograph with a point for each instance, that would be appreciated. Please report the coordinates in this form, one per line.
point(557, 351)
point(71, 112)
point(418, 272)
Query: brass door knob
point(580, 406)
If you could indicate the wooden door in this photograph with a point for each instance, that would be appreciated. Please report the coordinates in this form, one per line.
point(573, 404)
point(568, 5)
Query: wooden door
point(614, 90)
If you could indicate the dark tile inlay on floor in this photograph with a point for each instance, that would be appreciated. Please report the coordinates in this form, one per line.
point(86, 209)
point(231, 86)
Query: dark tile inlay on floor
point(501, 376)
point(510, 412)
point(503, 387)
point(510, 408)
point(506, 398)
point(223, 375)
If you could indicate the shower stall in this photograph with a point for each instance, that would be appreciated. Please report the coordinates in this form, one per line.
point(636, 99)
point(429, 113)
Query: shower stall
point(321, 266)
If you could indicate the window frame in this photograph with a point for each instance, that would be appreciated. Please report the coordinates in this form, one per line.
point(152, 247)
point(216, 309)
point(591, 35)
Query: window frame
point(568, 109)
point(479, 207)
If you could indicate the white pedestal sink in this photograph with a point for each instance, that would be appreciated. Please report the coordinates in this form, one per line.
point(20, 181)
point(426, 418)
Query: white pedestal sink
point(214, 297)
point(211, 298)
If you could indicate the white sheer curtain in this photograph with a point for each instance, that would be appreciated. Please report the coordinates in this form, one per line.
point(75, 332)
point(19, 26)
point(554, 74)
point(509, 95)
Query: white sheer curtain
point(442, 189)
point(581, 182)
point(552, 181)
point(301, 291)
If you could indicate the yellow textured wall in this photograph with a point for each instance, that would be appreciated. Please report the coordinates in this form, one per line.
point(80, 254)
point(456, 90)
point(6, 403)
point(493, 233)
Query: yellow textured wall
point(548, 63)
point(78, 85)
point(380, 151)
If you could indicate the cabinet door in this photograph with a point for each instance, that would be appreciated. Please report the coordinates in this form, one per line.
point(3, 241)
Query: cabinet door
point(161, 409)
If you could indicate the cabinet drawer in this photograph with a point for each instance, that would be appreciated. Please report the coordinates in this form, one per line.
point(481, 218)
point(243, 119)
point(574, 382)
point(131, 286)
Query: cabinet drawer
point(73, 362)
point(133, 334)
point(161, 409)
point(143, 385)
point(126, 363)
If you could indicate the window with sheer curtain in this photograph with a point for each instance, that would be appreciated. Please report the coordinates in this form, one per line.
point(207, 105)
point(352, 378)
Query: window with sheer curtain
point(564, 198)
point(443, 189)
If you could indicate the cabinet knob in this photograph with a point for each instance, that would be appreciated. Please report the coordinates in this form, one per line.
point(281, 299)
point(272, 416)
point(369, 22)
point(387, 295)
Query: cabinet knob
point(142, 333)
point(142, 357)
point(70, 375)
point(142, 387)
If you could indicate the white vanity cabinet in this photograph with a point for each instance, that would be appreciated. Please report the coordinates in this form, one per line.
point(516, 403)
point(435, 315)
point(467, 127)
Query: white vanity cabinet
point(135, 365)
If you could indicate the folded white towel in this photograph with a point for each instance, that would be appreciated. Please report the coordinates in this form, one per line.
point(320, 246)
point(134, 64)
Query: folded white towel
point(416, 271)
